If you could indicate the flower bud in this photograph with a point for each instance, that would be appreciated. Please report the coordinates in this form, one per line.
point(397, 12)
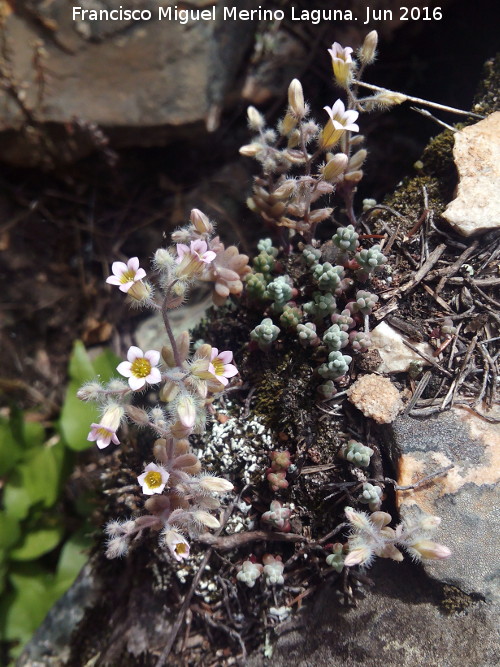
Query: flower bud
point(288, 124)
point(251, 150)
point(335, 167)
point(296, 99)
point(200, 222)
point(206, 519)
point(356, 161)
point(354, 176)
point(256, 120)
point(186, 411)
point(215, 484)
point(431, 550)
point(286, 189)
point(163, 259)
point(367, 52)
point(137, 415)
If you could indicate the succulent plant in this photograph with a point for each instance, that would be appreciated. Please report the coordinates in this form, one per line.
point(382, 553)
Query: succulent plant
point(346, 238)
point(327, 276)
point(256, 285)
point(307, 335)
point(371, 495)
point(364, 303)
point(311, 255)
point(336, 558)
point(336, 367)
point(357, 453)
point(321, 305)
point(290, 317)
point(334, 338)
point(370, 259)
point(265, 333)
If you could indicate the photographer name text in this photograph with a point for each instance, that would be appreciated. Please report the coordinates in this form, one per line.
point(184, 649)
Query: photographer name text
point(313, 16)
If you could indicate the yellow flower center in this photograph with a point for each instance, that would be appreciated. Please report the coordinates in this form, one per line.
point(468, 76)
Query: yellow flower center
point(104, 432)
point(140, 367)
point(218, 366)
point(127, 276)
point(180, 548)
point(153, 479)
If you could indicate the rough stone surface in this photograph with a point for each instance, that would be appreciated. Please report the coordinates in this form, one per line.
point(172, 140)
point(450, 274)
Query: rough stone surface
point(400, 623)
point(376, 397)
point(476, 208)
point(145, 76)
point(466, 498)
point(396, 356)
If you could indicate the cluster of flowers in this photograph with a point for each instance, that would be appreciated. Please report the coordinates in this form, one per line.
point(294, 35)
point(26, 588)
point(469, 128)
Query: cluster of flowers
point(181, 497)
point(372, 536)
point(298, 142)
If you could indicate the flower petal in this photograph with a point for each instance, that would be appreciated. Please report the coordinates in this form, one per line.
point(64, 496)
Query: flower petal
point(230, 371)
point(153, 356)
point(124, 369)
point(154, 377)
point(136, 383)
point(113, 280)
point(226, 357)
point(214, 354)
point(134, 353)
point(133, 264)
point(119, 268)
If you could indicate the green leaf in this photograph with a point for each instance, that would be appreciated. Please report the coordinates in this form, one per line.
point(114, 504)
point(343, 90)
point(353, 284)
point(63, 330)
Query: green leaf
point(9, 530)
point(37, 542)
point(25, 608)
point(105, 366)
point(10, 448)
point(33, 433)
point(38, 479)
point(73, 557)
point(76, 416)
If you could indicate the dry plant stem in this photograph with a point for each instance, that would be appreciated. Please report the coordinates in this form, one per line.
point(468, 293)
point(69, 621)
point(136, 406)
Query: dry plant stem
point(424, 480)
point(170, 333)
point(237, 540)
point(419, 100)
point(429, 359)
point(427, 114)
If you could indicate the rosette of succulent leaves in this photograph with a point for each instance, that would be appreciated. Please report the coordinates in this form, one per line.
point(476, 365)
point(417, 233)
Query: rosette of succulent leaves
point(180, 498)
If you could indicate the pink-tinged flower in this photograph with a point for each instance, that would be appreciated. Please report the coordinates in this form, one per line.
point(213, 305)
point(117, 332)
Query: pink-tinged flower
point(342, 64)
point(340, 121)
point(104, 433)
point(179, 547)
point(192, 259)
point(140, 369)
point(153, 479)
point(125, 275)
point(221, 366)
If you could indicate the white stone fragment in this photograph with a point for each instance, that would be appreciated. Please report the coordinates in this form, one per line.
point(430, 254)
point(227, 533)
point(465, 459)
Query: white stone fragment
point(396, 356)
point(476, 208)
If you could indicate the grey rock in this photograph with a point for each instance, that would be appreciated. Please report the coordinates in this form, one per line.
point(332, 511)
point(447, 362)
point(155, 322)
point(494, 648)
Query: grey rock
point(400, 623)
point(142, 79)
point(465, 498)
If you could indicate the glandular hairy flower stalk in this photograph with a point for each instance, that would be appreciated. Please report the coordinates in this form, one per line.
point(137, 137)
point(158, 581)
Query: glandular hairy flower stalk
point(179, 498)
